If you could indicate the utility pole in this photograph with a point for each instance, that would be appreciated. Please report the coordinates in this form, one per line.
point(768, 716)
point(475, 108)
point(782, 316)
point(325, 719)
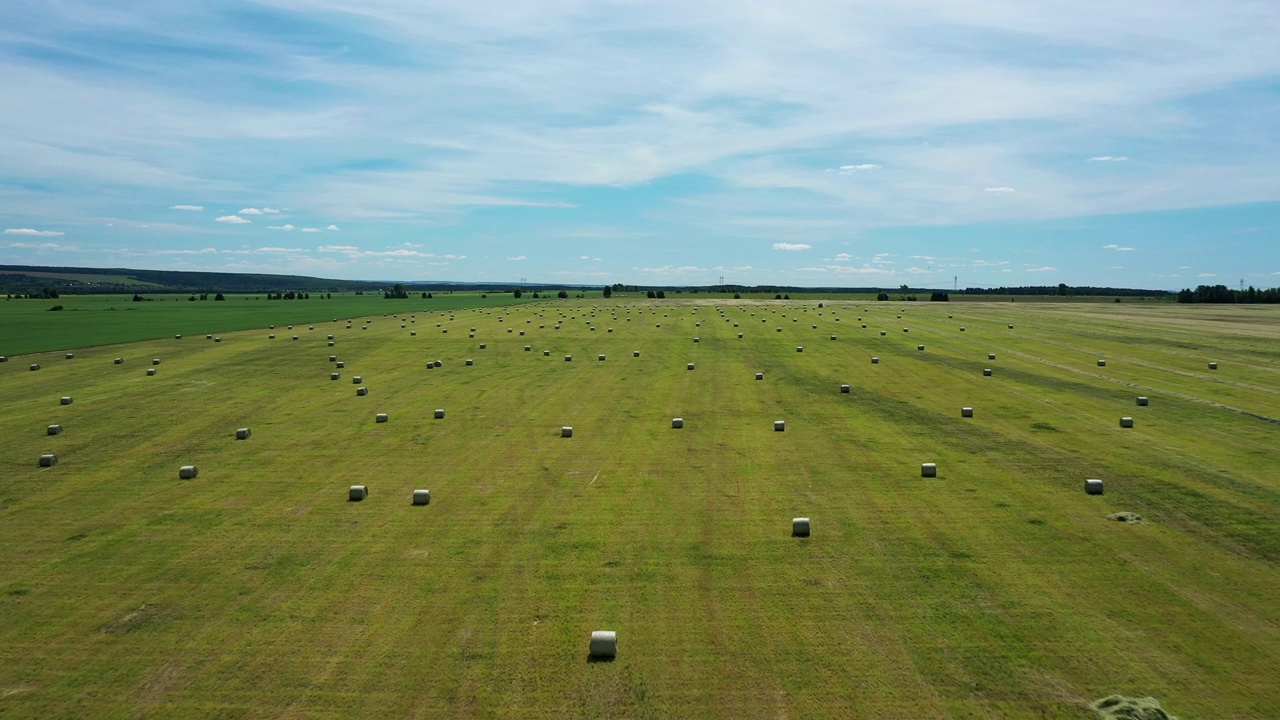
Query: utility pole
point(955, 283)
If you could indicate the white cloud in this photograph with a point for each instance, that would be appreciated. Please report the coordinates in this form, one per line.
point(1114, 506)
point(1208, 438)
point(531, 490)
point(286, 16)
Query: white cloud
point(1184, 267)
point(310, 230)
point(1000, 190)
point(670, 269)
point(923, 257)
point(270, 211)
point(840, 257)
point(1207, 275)
point(1108, 158)
point(338, 248)
point(1117, 248)
point(1046, 268)
point(201, 251)
point(232, 219)
point(846, 270)
point(584, 257)
point(517, 257)
point(33, 232)
point(250, 211)
point(791, 246)
point(279, 250)
point(42, 246)
point(189, 208)
point(280, 227)
point(332, 227)
point(853, 169)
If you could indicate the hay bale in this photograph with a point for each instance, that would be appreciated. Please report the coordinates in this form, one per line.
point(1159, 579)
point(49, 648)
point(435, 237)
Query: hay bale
point(483, 345)
point(330, 343)
point(362, 391)
point(635, 353)
point(54, 430)
point(334, 376)
point(568, 358)
point(1126, 422)
point(412, 333)
point(1093, 486)
point(697, 339)
point(919, 347)
point(333, 358)
point(875, 361)
point(380, 418)
point(991, 356)
point(66, 400)
point(759, 376)
point(339, 364)
point(421, 497)
point(71, 356)
point(330, 337)
point(799, 527)
point(739, 336)
point(217, 339)
point(961, 328)
point(966, 412)
point(677, 423)
point(272, 336)
point(188, 472)
point(151, 371)
point(566, 432)
point(1011, 327)
point(600, 358)
point(1213, 366)
point(439, 364)
point(1142, 400)
point(546, 353)
point(243, 434)
point(904, 329)
point(527, 348)
point(883, 333)
point(119, 361)
point(929, 470)
point(439, 413)
point(1102, 363)
point(833, 337)
point(48, 460)
point(779, 425)
point(155, 361)
point(986, 372)
point(357, 493)
point(604, 644)
point(799, 348)
point(845, 389)
point(469, 362)
point(208, 337)
point(690, 366)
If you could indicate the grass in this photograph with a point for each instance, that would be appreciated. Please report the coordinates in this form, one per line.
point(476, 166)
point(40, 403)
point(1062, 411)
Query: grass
point(998, 589)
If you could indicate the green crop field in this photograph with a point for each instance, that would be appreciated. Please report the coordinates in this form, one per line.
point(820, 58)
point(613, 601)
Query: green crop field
point(998, 589)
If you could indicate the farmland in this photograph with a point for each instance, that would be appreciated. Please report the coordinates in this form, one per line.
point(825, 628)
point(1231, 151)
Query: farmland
point(997, 589)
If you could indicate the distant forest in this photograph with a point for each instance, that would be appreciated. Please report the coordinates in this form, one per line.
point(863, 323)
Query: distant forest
point(1224, 294)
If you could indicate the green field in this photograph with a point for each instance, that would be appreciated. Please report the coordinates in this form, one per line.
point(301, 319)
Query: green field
point(998, 589)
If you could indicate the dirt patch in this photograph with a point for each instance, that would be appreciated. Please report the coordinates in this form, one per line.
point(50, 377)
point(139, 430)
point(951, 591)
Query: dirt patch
point(1119, 707)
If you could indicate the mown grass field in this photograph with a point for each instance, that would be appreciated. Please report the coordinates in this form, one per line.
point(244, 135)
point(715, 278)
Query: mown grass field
point(997, 590)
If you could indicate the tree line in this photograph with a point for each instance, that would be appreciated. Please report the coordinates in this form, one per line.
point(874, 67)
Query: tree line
point(1224, 294)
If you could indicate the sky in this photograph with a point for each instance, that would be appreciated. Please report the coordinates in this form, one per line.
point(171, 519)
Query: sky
point(932, 143)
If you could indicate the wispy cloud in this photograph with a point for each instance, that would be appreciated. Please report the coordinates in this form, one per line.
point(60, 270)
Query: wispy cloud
point(1046, 268)
point(270, 211)
point(1108, 158)
point(1117, 248)
point(33, 232)
point(311, 230)
point(232, 220)
point(1207, 275)
point(285, 227)
point(201, 251)
point(279, 250)
point(791, 247)
point(517, 258)
point(1002, 190)
point(854, 169)
point(188, 208)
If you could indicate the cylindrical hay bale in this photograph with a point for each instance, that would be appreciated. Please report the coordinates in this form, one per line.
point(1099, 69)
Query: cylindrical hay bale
point(566, 432)
point(188, 472)
point(439, 413)
point(604, 644)
point(966, 412)
point(330, 337)
point(358, 493)
point(920, 347)
point(71, 356)
point(208, 337)
point(421, 497)
point(356, 379)
point(779, 329)
point(600, 358)
point(243, 434)
point(48, 460)
point(339, 364)
point(66, 400)
point(875, 361)
point(333, 358)
point(568, 358)
point(1011, 327)
point(779, 425)
point(1102, 363)
point(690, 367)
point(1142, 400)
point(311, 327)
point(334, 376)
point(815, 327)
point(760, 376)
point(155, 361)
point(928, 470)
point(991, 356)
point(362, 391)
point(546, 353)
point(833, 337)
point(483, 345)
point(330, 343)
point(217, 339)
point(986, 372)
point(697, 339)
point(55, 429)
point(677, 423)
point(271, 327)
point(739, 336)
point(412, 333)
point(1126, 422)
point(470, 361)
point(1093, 486)
point(844, 389)
point(151, 371)
point(635, 353)
point(799, 527)
point(1213, 366)
point(883, 333)
point(177, 337)
point(290, 327)
point(119, 361)
point(961, 328)
point(799, 348)
point(905, 330)
point(272, 336)
point(380, 417)
point(864, 326)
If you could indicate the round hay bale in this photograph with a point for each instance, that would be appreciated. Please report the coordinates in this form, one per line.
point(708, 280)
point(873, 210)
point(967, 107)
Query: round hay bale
point(546, 353)
point(333, 358)
point(800, 527)
point(635, 353)
point(1093, 486)
point(677, 423)
point(188, 472)
point(779, 425)
point(604, 644)
point(986, 372)
point(483, 345)
point(339, 364)
point(739, 336)
point(779, 329)
point(413, 333)
point(380, 418)
point(961, 328)
point(177, 337)
point(690, 366)
point(119, 361)
point(928, 470)
point(271, 327)
point(439, 413)
point(66, 400)
point(470, 362)
point(272, 336)
point(600, 358)
point(290, 327)
point(48, 460)
point(1102, 363)
point(1142, 400)
point(1213, 366)
point(966, 412)
point(875, 361)
point(330, 337)
point(54, 430)
point(1011, 327)
point(151, 371)
point(697, 339)
point(362, 391)
point(919, 347)
point(217, 339)
point(883, 333)
point(833, 337)
point(357, 493)
point(759, 376)
point(845, 389)
point(71, 356)
point(991, 356)
point(1126, 422)
point(566, 432)
point(155, 361)
point(439, 364)
point(421, 497)
point(334, 376)
point(243, 434)
point(568, 358)
point(208, 337)
point(527, 348)
point(799, 348)
point(330, 343)
point(904, 330)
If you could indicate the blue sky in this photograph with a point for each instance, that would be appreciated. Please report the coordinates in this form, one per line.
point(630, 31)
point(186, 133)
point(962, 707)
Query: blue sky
point(808, 143)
